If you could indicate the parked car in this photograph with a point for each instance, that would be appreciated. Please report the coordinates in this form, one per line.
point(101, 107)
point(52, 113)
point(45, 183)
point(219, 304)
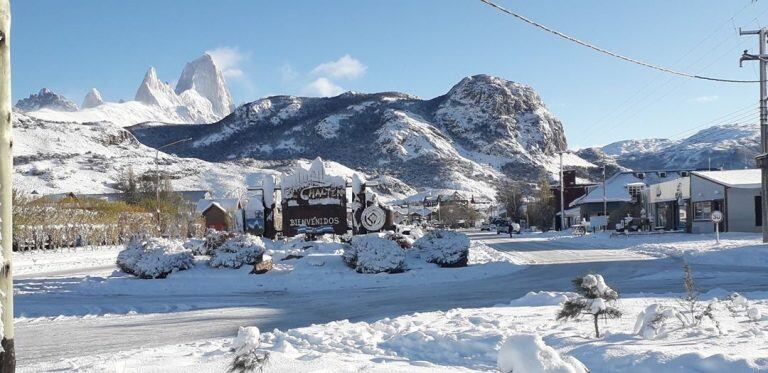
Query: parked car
point(486, 227)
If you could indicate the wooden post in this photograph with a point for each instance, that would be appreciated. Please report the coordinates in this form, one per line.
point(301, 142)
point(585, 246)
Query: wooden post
point(8, 356)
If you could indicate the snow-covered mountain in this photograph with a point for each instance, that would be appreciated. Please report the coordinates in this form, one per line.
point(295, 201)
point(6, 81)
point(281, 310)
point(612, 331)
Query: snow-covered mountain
point(59, 157)
point(201, 96)
point(46, 99)
point(92, 99)
point(730, 146)
point(202, 76)
point(483, 129)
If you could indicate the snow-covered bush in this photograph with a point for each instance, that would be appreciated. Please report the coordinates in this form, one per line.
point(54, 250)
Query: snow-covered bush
point(372, 253)
point(527, 353)
point(238, 251)
point(154, 258)
point(196, 246)
point(213, 240)
point(248, 357)
point(445, 248)
point(653, 321)
point(595, 298)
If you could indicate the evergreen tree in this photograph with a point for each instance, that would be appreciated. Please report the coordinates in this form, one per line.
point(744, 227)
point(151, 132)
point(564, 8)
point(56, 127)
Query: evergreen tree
point(596, 299)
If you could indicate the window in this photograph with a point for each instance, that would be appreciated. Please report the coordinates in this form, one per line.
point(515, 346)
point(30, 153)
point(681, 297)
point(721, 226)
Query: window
point(702, 210)
point(684, 174)
point(758, 211)
point(662, 174)
point(640, 175)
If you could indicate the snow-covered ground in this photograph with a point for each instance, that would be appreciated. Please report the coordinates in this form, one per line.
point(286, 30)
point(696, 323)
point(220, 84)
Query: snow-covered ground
point(427, 319)
point(463, 340)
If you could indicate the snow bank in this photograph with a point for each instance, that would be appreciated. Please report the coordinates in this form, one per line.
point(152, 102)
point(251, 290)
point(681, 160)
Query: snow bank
point(373, 253)
point(528, 353)
point(154, 258)
point(444, 248)
point(542, 298)
point(239, 251)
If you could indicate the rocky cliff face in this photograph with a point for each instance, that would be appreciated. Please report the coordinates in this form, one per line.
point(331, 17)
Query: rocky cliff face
point(204, 77)
point(467, 139)
point(46, 99)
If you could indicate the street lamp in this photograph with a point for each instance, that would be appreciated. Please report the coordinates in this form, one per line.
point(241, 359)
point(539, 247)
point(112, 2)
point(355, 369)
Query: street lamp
point(157, 178)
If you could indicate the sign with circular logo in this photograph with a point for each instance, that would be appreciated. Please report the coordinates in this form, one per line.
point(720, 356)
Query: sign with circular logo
point(373, 218)
point(716, 216)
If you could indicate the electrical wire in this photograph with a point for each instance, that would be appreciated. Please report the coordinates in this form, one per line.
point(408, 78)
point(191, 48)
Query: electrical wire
point(610, 53)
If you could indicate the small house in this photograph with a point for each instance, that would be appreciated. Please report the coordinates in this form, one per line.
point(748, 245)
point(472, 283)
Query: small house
point(222, 214)
point(735, 193)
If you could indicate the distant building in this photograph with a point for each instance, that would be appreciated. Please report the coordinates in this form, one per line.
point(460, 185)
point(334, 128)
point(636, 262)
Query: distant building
point(572, 190)
point(622, 194)
point(222, 214)
point(735, 193)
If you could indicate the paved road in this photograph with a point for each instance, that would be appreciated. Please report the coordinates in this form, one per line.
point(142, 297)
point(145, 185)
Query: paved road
point(43, 340)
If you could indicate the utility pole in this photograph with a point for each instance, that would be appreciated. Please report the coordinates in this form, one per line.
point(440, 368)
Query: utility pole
point(8, 356)
point(762, 160)
point(157, 180)
point(562, 194)
point(605, 199)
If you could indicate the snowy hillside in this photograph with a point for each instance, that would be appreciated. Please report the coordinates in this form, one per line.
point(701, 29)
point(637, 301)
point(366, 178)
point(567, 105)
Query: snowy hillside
point(483, 129)
point(201, 96)
point(730, 146)
point(60, 157)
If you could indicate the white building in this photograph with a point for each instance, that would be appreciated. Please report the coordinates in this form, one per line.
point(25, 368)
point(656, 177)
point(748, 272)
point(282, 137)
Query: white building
point(736, 193)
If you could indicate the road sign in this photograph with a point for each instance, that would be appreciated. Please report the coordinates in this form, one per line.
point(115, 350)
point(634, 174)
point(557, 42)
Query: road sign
point(716, 216)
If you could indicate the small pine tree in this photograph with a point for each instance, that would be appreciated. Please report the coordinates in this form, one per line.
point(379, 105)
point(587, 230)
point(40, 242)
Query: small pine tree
point(596, 299)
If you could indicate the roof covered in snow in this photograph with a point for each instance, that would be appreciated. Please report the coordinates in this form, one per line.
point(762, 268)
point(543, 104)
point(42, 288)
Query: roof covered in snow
point(616, 187)
point(226, 204)
point(733, 178)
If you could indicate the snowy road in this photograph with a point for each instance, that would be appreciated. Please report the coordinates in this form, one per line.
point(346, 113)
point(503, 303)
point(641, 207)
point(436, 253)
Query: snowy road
point(51, 339)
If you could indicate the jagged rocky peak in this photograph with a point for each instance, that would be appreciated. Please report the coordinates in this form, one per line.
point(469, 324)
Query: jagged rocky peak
point(92, 99)
point(498, 116)
point(202, 75)
point(153, 91)
point(46, 99)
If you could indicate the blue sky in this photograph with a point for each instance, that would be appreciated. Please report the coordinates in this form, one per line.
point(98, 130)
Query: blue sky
point(422, 47)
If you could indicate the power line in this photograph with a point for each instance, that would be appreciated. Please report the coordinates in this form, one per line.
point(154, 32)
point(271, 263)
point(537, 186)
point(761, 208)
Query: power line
point(610, 53)
point(624, 112)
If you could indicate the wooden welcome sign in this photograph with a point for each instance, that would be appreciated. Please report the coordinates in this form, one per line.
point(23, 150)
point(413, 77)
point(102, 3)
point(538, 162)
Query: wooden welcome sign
point(312, 199)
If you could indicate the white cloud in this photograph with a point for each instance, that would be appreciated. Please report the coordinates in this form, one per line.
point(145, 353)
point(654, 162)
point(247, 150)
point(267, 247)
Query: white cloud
point(344, 67)
point(228, 59)
point(322, 87)
point(702, 99)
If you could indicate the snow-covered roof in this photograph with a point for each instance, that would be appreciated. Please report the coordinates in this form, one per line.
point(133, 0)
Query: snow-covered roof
point(226, 204)
point(617, 186)
point(747, 179)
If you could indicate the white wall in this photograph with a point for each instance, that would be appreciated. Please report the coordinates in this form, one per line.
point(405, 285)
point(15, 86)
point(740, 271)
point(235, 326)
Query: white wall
point(704, 190)
point(741, 210)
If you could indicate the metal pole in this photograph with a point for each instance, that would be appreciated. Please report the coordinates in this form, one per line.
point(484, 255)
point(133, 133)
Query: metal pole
point(157, 190)
point(562, 193)
point(8, 356)
point(764, 131)
point(157, 178)
point(605, 199)
point(762, 162)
